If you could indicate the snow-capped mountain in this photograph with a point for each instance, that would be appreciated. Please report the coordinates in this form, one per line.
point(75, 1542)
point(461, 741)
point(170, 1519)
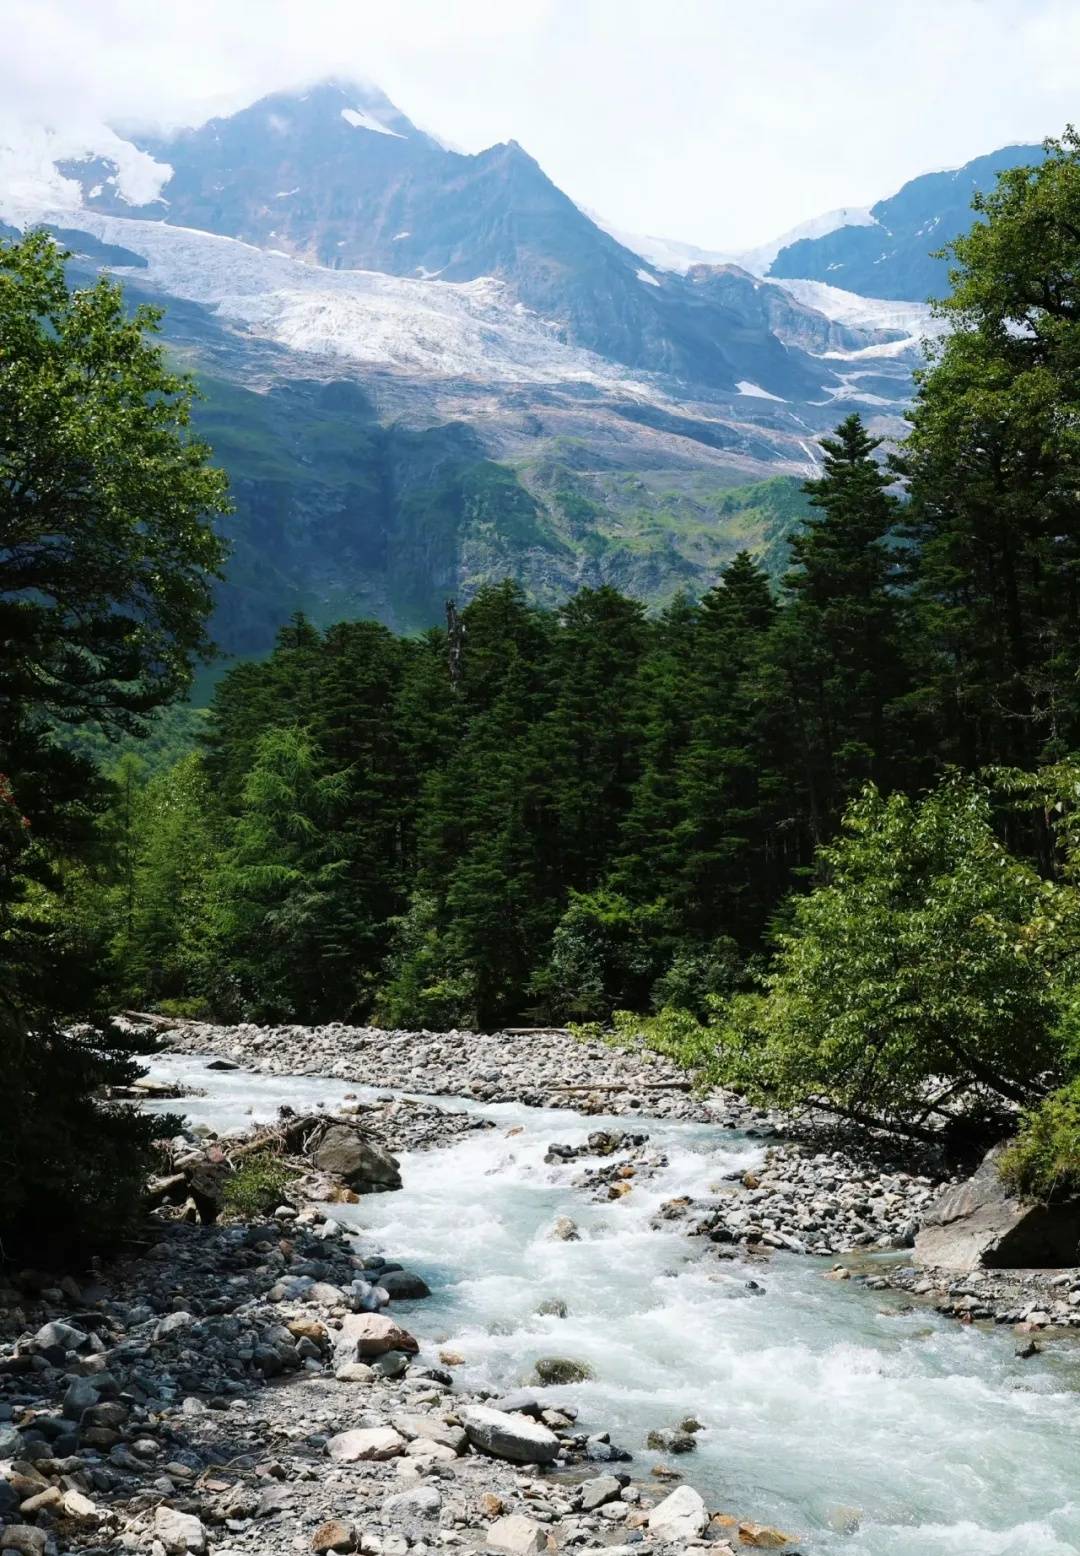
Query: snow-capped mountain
point(339, 177)
point(668, 254)
point(889, 252)
point(424, 368)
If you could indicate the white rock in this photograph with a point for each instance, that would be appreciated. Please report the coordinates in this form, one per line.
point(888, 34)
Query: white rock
point(513, 1437)
point(680, 1516)
point(365, 1442)
point(179, 1532)
point(80, 1507)
point(517, 1536)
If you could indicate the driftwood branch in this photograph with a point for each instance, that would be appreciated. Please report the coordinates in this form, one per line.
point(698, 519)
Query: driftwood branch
point(624, 1086)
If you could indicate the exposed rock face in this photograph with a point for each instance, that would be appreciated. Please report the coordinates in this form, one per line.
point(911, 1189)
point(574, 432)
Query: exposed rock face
point(362, 1162)
point(979, 1223)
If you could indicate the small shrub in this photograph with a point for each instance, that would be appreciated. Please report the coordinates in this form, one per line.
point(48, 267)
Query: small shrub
point(257, 1187)
point(1043, 1161)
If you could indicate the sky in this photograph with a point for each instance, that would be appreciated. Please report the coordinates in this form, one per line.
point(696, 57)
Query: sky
point(715, 122)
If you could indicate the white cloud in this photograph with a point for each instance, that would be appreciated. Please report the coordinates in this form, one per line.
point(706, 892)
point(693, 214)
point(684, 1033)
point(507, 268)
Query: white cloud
point(709, 121)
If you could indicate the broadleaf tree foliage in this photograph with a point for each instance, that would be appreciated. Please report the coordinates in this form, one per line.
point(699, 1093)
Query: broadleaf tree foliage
point(107, 551)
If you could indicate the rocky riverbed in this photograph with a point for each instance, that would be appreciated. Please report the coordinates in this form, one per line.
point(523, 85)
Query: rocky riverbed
point(248, 1388)
point(823, 1189)
point(815, 1195)
point(286, 1385)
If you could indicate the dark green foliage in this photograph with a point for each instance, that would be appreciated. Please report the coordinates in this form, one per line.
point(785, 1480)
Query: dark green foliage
point(106, 552)
point(993, 467)
point(840, 646)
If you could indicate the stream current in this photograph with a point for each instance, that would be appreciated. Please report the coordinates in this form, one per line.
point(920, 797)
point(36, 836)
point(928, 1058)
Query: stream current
point(859, 1424)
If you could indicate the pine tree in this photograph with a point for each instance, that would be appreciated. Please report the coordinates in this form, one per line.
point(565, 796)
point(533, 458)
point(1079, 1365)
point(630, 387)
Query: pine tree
point(839, 648)
point(993, 463)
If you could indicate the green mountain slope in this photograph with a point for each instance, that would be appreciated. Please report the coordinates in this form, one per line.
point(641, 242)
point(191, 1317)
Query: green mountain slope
point(339, 515)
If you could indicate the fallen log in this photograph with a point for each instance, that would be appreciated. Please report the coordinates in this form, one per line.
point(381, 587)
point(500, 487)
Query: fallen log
point(535, 1032)
point(161, 1023)
point(624, 1086)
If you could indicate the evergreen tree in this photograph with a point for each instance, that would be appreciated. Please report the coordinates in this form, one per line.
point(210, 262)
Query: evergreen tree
point(993, 463)
point(280, 912)
point(839, 650)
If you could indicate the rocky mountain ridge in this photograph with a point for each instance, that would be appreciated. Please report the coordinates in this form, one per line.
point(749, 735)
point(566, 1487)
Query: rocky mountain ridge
point(425, 369)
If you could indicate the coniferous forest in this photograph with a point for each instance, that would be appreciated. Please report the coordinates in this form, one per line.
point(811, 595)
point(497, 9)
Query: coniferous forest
point(821, 837)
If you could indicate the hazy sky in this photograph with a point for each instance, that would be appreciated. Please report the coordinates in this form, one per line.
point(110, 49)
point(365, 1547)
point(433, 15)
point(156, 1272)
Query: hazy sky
point(719, 122)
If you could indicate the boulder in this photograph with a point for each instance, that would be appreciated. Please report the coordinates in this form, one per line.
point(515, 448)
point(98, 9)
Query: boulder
point(679, 1517)
point(23, 1538)
point(431, 1429)
point(354, 1372)
point(80, 1508)
point(420, 1502)
point(517, 1536)
point(364, 1335)
point(598, 1491)
point(979, 1223)
point(348, 1153)
point(564, 1230)
point(404, 1286)
point(334, 1535)
point(392, 1364)
point(179, 1532)
point(762, 1537)
point(365, 1443)
point(555, 1370)
point(59, 1338)
point(513, 1437)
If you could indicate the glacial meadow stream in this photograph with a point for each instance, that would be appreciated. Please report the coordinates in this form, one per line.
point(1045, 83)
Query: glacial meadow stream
point(846, 1416)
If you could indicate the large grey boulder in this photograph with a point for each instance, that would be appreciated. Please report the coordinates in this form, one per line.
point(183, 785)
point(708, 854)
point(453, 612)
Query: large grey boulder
point(348, 1153)
point(978, 1223)
point(679, 1517)
point(513, 1437)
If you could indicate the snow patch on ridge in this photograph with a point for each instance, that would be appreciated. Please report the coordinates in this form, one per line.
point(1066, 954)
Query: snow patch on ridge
point(365, 121)
point(643, 275)
point(29, 153)
point(760, 258)
point(915, 321)
point(670, 254)
point(756, 392)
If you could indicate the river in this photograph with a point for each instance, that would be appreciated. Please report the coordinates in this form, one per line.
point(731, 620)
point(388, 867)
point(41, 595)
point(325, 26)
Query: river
point(844, 1415)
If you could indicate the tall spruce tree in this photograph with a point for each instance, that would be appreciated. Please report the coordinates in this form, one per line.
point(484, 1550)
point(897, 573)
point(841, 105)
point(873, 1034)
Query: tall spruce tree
point(993, 463)
point(839, 649)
